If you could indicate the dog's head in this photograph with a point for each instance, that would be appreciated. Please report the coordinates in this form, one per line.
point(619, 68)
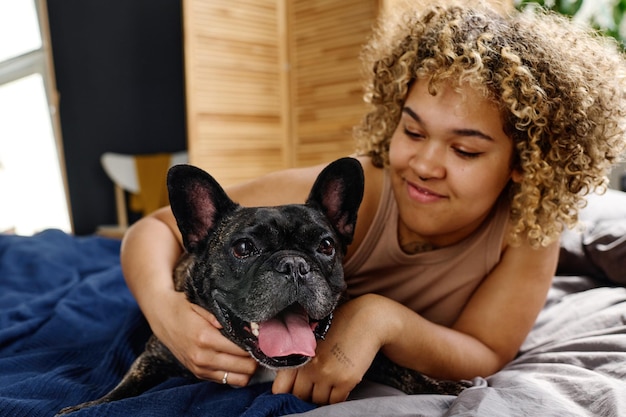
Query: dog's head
point(271, 275)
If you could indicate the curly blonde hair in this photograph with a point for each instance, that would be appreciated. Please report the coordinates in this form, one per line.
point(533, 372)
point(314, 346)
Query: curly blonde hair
point(561, 89)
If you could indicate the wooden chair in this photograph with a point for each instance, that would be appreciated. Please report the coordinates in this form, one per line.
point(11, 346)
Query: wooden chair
point(128, 172)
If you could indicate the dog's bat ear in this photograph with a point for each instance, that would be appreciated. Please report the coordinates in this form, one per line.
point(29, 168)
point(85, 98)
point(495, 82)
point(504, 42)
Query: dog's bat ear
point(197, 201)
point(338, 192)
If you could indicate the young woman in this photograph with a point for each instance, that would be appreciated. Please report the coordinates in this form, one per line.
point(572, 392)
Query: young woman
point(485, 133)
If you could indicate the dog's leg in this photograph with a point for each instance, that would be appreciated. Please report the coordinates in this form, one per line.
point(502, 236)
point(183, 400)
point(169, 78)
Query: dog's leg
point(386, 372)
point(155, 365)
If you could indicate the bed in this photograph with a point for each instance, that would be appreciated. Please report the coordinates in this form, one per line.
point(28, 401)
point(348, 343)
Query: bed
point(69, 329)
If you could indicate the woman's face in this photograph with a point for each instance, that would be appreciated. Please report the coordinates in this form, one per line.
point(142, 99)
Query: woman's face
point(449, 161)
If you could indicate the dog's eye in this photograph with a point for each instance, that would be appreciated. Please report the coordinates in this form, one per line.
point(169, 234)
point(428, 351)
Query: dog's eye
point(243, 248)
point(327, 247)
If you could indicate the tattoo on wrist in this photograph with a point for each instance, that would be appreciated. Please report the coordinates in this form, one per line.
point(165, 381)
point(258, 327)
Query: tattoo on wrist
point(341, 356)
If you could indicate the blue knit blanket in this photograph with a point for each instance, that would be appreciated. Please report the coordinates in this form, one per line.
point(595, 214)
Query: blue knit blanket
point(69, 330)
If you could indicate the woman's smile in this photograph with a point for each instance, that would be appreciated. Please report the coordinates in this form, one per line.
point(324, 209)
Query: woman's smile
point(422, 194)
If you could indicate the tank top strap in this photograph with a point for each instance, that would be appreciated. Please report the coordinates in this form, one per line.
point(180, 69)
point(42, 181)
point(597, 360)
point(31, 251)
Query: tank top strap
point(386, 205)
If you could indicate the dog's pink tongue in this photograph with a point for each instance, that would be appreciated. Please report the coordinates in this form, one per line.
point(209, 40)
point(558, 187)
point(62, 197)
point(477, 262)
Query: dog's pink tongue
point(290, 336)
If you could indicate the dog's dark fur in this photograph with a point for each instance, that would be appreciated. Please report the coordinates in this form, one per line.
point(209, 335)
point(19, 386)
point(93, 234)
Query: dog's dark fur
point(252, 264)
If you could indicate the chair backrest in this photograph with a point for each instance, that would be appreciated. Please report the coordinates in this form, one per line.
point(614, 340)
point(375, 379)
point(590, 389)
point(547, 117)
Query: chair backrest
point(122, 170)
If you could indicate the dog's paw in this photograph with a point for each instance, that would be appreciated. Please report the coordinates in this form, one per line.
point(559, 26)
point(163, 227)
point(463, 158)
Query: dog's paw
point(68, 410)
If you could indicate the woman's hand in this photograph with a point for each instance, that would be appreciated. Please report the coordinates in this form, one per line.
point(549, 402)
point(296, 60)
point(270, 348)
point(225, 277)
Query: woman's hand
point(193, 335)
point(341, 360)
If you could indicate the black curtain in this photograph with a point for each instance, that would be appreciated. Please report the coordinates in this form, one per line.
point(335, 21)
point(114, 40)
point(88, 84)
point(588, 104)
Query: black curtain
point(119, 72)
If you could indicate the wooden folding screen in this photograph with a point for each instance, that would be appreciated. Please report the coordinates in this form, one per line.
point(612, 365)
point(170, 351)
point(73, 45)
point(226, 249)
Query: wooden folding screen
point(272, 84)
point(233, 87)
point(326, 38)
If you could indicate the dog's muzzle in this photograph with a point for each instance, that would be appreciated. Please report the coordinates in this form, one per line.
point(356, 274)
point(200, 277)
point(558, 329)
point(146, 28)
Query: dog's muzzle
point(287, 340)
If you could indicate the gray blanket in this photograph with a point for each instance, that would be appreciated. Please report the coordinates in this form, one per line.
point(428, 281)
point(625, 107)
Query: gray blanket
point(573, 363)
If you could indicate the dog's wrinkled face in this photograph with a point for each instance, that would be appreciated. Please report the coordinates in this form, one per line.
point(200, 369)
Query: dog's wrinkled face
point(271, 275)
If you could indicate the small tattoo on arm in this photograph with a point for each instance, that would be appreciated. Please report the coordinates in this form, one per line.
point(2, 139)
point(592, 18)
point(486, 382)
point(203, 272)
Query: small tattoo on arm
point(341, 356)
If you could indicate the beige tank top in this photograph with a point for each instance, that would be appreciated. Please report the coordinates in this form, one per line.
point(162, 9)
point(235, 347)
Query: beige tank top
point(436, 284)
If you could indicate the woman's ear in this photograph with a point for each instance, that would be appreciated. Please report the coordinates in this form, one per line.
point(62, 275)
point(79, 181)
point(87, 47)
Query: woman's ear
point(517, 176)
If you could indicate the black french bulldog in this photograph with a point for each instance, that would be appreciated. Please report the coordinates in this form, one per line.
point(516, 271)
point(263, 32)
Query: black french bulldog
point(272, 276)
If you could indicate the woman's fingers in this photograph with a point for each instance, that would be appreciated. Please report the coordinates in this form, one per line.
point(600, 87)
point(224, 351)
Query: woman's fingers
point(230, 378)
point(297, 382)
point(212, 354)
point(193, 335)
point(216, 358)
point(208, 316)
point(338, 395)
point(320, 393)
point(283, 383)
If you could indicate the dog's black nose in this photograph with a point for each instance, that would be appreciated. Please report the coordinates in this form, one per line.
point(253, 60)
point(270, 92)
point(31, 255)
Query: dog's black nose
point(293, 266)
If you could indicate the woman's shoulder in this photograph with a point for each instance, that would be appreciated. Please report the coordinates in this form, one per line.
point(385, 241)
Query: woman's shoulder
point(374, 183)
point(292, 186)
point(289, 186)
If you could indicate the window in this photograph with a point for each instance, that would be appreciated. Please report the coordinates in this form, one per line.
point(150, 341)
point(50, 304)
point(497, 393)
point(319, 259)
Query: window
point(32, 180)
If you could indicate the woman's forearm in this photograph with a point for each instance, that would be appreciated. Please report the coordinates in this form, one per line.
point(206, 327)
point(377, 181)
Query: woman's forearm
point(437, 351)
point(150, 250)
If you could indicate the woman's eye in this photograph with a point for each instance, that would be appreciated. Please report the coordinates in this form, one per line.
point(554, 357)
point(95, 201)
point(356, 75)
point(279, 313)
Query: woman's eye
point(326, 247)
point(412, 134)
point(243, 248)
point(467, 155)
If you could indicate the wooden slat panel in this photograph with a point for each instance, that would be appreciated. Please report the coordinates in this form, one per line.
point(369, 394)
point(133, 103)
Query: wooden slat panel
point(240, 148)
point(233, 87)
point(328, 36)
point(232, 167)
point(272, 83)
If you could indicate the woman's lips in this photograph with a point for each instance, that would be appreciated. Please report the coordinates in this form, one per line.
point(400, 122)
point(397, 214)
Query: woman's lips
point(422, 194)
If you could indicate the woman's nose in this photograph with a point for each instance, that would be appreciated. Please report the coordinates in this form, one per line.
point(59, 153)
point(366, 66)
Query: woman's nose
point(429, 161)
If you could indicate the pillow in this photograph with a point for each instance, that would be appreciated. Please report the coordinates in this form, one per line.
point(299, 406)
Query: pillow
point(605, 246)
point(598, 247)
